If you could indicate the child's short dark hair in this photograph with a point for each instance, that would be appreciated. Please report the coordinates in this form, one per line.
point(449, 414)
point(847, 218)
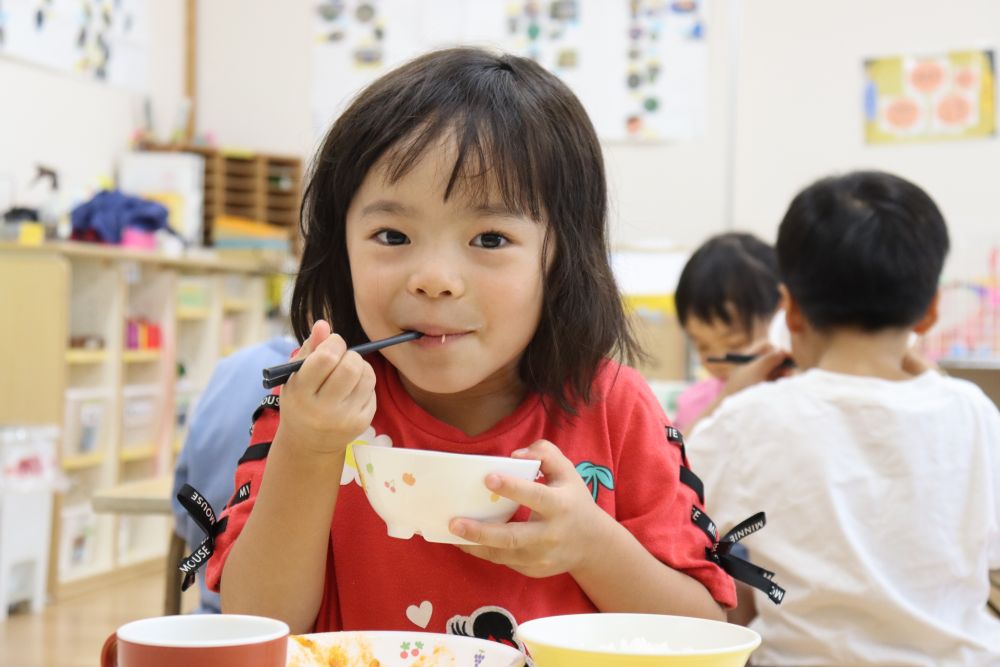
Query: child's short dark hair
point(731, 277)
point(862, 250)
point(519, 131)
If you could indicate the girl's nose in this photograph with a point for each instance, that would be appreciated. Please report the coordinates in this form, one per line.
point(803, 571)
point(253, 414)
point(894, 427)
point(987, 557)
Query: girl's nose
point(435, 280)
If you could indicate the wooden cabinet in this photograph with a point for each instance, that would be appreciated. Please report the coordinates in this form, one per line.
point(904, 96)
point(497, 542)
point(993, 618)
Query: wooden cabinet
point(256, 186)
point(68, 357)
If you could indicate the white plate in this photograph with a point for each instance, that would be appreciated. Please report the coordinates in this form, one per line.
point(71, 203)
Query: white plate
point(398, 649)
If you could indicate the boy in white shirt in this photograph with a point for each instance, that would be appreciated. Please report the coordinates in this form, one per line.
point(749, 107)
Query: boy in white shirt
point(881, 484)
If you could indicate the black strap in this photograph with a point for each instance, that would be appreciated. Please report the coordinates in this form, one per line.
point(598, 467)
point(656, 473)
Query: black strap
point(674, 436)
point(255, 452)
point(198, 507)
point(201, 511)
point(269, 402)
point(239, 495)
point(693, 482)
point(704, 522)
point(742, 570)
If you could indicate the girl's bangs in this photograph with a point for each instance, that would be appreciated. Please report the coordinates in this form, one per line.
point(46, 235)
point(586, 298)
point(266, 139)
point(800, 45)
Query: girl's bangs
point(488, 164)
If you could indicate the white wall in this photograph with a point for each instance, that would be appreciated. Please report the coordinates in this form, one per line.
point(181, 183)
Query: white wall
point(800, 110)
point(80, 126)
point(254, 92)
point(254, 74)
point(678, 191)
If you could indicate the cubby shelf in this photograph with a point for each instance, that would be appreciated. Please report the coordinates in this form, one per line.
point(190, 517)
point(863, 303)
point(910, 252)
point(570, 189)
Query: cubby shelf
point(122, 412)
point(83, 356)
point(140, 356)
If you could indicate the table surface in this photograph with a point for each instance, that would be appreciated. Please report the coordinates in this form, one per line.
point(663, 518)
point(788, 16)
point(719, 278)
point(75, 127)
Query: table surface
point(144, 496)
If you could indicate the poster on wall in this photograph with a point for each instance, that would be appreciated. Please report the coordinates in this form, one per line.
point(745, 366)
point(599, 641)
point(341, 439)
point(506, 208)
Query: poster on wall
point(101, 40)
point(666, 70)
point(639, 67)
point(940, 97)
point(349, 50)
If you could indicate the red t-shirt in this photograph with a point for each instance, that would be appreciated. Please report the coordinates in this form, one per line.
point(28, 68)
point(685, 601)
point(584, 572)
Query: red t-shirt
point(374, 581)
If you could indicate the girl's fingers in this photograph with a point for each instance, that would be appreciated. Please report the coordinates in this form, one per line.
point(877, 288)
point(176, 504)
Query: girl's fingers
point(320, 362)
point(535, 496)
point(320, 332)
point(494, 539)
point(554, 464)
point(760, 347)
point(343, 378)
point(773, 359)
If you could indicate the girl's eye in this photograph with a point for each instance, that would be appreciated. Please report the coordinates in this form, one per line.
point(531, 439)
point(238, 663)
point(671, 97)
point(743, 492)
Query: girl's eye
point(391, 237)
point(490, 240)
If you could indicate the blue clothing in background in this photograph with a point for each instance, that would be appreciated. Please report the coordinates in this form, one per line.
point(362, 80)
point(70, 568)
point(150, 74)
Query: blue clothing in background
point(218, 436)
point(109, 212)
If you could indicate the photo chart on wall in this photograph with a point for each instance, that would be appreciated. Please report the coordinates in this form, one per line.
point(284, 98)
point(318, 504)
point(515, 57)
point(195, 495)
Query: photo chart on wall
point(101, 40)
point(933, 97)
point(638, 66)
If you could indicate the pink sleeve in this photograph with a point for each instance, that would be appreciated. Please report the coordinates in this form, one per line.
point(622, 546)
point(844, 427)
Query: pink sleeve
point(694, 400)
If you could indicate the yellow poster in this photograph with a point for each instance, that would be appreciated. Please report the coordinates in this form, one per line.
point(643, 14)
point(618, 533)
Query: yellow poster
point(929, 98)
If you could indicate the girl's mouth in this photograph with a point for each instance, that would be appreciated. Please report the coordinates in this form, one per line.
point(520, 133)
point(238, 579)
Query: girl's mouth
point(438, 340)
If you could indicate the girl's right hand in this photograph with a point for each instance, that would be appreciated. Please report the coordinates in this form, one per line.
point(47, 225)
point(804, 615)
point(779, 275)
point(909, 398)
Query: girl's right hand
point(330, 400)
point(768, 366)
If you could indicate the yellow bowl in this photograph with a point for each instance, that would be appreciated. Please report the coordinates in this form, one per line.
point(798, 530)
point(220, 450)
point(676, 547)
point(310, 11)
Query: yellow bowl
point(636, 640)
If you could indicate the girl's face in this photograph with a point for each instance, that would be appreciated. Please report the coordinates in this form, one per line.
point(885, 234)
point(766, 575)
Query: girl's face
point(715, 338)
point(466, 275)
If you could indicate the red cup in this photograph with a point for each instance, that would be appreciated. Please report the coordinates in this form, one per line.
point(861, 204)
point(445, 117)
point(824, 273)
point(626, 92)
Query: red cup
point(198, 640)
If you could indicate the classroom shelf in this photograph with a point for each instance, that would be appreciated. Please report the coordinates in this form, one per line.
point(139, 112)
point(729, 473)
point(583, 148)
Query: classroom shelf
point(78, 574)
point(140, 356)
point(83, 461)
point(136, 557)
point(123, 411)
point(188, 313)
point(140, 453)
point(83, 356)
point(258, 186)
point(235, 305)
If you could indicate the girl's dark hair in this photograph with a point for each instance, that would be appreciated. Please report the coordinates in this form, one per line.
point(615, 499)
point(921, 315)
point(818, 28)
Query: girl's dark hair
point(862, 250)
point(731, 277)
point(519, 132)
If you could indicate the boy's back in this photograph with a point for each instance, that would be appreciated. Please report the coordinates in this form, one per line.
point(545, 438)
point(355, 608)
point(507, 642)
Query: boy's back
point(883, 503)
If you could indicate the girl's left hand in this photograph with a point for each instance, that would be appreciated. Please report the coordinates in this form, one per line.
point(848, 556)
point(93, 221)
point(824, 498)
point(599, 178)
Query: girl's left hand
point(564, 527)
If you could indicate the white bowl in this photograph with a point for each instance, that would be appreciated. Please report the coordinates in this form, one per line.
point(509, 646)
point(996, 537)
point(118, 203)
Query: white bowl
point(636, 640)
point(398, 649)
point(419, 491)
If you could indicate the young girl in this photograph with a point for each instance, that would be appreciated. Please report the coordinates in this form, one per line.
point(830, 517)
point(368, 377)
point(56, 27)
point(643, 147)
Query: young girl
point(463, 196)
point(727, 297)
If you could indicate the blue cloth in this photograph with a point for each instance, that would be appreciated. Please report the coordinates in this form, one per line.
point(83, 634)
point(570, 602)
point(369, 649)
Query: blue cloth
point(218, 436)
point(109, 212)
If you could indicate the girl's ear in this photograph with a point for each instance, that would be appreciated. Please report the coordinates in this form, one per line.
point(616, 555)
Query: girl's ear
point(794, 319)
point(930, 317)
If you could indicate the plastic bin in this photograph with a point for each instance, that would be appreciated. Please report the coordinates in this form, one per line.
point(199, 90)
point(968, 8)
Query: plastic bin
point(88, 424)
point(29, 476)
point(185, 398)
point(192, 293)
point(141, 411)
point(78, 539)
